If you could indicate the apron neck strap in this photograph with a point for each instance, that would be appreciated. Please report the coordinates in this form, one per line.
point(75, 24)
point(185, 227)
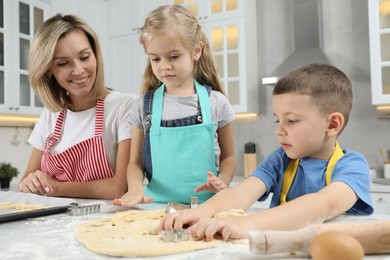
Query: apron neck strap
point(99, 119)
point(158, 101)
point(291, 171)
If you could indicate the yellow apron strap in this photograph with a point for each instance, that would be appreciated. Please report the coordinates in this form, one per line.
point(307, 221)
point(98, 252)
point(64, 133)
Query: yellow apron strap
point(337, 154)
point(291, 171)
point(288, 178)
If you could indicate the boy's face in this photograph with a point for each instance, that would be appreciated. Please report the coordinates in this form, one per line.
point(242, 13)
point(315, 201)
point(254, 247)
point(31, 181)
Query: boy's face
point(301, 128)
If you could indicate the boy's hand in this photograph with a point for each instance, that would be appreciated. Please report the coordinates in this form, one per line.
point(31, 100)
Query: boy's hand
point(213, 184)
point(177, 220)
point(130, 199)
point(207, 228)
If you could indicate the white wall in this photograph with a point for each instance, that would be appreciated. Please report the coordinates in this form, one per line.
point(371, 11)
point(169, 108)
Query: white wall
point(15, 149)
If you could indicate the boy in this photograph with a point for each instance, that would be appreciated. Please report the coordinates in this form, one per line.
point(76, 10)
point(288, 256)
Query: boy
point(311, 178)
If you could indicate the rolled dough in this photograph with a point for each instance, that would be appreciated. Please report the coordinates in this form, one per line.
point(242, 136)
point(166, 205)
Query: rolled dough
point(20, 206)
point(133, 233)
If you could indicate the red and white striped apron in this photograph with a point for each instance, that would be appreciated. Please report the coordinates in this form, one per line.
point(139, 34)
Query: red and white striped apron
point(85, 161)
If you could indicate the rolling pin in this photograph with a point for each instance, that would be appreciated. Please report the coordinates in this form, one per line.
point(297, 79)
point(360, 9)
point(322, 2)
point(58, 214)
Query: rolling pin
point(374, 236)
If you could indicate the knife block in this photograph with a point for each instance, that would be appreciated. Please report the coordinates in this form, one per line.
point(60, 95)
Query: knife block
point(250, 163)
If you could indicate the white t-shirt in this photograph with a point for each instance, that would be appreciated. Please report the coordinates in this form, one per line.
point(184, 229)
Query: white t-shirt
point(79, 126)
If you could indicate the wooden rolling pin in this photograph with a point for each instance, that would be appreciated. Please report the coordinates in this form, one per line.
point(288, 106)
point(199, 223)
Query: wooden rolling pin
point(374, 236)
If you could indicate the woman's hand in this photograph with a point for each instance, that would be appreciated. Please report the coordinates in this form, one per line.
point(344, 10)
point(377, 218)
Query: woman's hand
point(38, 183)
point(213, 184)
point(208, 228)
point(130, 199)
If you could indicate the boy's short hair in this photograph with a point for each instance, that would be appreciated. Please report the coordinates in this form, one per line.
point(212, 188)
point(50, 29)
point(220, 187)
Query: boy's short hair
point(330, 88)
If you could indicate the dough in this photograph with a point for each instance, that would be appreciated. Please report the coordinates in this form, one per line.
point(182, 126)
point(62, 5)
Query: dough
point(230, 213)
point(20, 206)
point(133, 233)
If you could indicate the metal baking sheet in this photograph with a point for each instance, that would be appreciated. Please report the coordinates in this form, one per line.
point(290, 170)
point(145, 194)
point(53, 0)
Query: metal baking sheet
point(56, 205)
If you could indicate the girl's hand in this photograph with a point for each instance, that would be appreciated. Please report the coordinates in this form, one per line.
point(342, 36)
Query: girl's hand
point(207, 228)
point(213, 184)
point(130, 199)
point(38, 183)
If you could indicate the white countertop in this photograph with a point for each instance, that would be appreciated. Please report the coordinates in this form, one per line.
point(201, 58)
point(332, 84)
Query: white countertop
point(382, 188)
point(52, 237)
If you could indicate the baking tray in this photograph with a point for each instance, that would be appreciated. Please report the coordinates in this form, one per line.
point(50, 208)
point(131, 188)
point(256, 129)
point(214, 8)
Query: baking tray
point(32, 213)
point(55, 205)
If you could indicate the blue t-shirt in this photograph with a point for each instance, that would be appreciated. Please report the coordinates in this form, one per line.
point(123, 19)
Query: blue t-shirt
point(351, 169)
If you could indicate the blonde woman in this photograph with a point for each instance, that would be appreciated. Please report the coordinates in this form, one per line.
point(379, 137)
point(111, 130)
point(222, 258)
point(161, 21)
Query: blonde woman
point(81, 143)
point(182, 126)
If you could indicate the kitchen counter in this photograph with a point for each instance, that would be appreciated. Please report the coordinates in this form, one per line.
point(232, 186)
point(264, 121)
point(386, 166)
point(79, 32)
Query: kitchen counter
point(52, 237)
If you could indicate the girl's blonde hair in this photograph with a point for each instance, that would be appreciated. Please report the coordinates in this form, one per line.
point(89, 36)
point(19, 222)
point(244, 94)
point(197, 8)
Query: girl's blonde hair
point(180, 24)
point(50, 92)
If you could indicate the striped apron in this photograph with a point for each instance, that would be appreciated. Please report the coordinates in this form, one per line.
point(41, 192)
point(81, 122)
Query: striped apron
point(83, 162)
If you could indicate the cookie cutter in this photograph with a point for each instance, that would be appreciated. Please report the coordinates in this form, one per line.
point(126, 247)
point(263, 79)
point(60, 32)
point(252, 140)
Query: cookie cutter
point(84, 209)
point(175, 206)
point(175, 236)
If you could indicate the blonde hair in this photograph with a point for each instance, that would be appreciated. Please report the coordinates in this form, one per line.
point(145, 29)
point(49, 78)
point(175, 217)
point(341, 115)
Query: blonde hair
point(50, 92)
point(180, 24)
point(330, 88)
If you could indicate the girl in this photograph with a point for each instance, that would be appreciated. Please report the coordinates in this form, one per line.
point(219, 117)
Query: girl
point(182, 126)
point(81, 143)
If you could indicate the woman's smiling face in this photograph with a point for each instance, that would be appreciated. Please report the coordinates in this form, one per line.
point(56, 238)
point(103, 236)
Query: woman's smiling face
point(74, 64)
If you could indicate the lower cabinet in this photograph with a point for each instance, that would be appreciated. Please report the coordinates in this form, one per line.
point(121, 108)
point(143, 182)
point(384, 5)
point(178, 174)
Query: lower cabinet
point(381, 202)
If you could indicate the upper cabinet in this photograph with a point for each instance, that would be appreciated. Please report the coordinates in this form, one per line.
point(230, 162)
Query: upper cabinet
point(230, 26)
point(127, 58)
point(19, 22)
point(379, 25)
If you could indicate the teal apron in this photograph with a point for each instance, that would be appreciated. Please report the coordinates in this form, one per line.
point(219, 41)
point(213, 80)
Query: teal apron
point(181, 156)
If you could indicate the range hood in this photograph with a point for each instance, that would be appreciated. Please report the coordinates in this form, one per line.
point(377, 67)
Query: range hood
point(307, 39)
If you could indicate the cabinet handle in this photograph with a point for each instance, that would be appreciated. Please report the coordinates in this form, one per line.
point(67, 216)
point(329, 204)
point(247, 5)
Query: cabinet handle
point(10, 108)
point(16, 108)
point(379, 200)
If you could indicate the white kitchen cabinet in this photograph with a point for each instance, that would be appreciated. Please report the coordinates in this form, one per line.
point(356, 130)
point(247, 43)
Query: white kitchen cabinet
point(230, 26)
point(212, 10)
point(92, 12)
point(381, 202)
point(20, 20)
point(127, 58)
point(379, 28)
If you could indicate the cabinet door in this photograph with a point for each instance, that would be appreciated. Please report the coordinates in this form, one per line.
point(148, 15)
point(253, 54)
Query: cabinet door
point(127, 64)
point(4, 43)
point(379, 25)
point(127, 16)
point(211, 10)
point(22, 19)
point(381, 202)
point(227, 44)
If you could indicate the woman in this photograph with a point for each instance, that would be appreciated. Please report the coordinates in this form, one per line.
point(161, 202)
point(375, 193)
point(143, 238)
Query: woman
point(81, 143)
